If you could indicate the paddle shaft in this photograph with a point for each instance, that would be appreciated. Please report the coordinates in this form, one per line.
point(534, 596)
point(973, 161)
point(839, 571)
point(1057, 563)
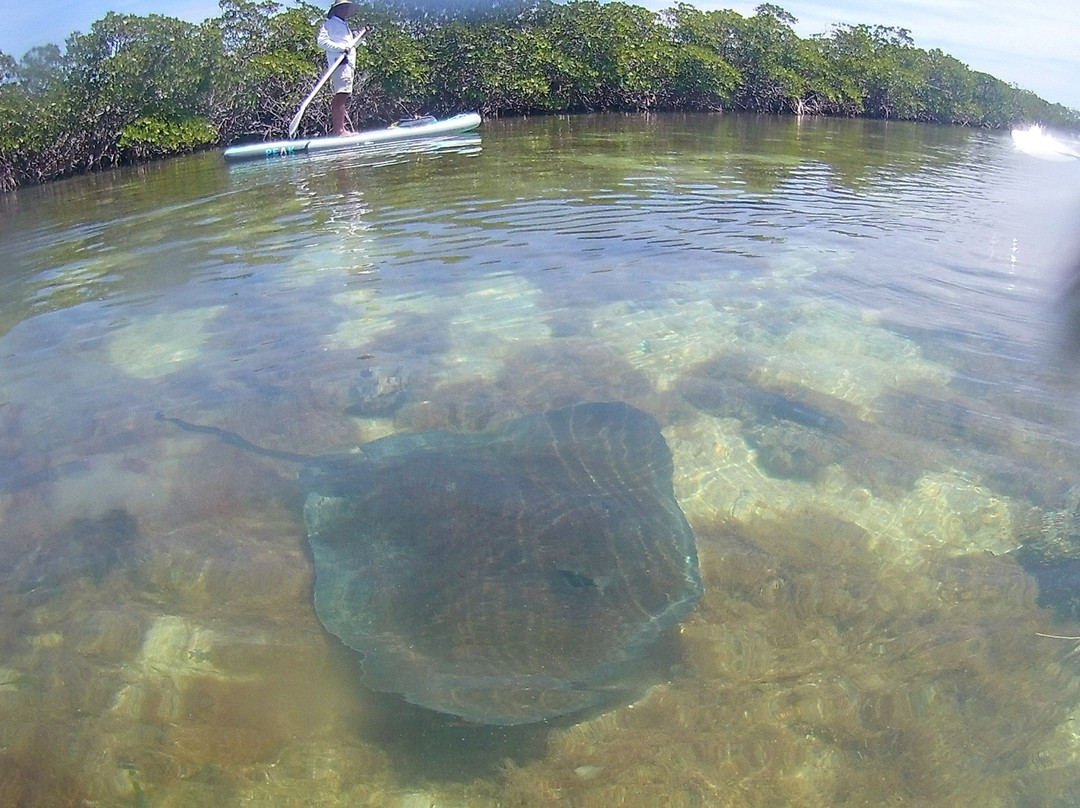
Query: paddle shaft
point(294, 124)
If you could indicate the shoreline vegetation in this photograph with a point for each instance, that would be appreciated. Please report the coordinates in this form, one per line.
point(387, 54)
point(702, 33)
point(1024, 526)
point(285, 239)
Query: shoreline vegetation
point(136, 88)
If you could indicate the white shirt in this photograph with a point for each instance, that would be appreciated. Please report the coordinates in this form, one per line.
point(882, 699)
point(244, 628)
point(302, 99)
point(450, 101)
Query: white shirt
point(335, 38)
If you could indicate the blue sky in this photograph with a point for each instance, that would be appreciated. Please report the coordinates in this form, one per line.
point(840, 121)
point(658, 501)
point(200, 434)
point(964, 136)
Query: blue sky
point(1033, 44)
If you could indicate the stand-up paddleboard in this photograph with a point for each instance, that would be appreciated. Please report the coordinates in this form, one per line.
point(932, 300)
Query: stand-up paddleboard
point(407, 130)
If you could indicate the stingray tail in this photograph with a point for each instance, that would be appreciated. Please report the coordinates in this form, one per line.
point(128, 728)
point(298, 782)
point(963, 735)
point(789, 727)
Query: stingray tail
point(234, 439)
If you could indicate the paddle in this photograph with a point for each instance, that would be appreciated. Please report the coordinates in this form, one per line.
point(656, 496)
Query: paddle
point(294, 124)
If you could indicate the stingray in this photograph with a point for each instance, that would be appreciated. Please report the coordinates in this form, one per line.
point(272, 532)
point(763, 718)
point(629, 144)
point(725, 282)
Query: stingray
point(507, 576)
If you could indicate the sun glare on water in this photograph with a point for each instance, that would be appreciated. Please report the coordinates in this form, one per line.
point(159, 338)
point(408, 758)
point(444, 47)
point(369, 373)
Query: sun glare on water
point(1037, 142)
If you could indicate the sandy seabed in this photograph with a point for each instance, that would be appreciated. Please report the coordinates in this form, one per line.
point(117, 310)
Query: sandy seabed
point(865, 637)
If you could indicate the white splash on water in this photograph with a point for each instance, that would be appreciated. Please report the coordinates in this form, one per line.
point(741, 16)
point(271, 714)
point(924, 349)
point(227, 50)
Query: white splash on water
point(1037, 142)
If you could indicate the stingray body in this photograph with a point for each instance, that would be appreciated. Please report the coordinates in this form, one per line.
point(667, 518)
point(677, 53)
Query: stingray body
point(508, 576)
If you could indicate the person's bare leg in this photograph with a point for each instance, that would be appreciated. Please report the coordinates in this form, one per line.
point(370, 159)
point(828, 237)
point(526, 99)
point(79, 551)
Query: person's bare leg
point(339, 116)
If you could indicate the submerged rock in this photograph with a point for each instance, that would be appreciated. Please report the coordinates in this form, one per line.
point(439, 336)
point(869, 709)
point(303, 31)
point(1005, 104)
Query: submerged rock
point(791, 451)
point(378, 392)
point(88, 547)
point(1051, 555)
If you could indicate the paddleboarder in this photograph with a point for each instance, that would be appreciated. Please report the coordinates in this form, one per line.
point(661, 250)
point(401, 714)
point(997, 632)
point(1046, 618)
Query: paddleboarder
point(336, 38)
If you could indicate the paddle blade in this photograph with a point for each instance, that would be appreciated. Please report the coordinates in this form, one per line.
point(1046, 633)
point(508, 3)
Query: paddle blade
point(294, 124)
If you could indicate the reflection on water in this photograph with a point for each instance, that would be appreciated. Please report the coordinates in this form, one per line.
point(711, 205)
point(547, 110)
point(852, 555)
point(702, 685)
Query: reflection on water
point(843, 327)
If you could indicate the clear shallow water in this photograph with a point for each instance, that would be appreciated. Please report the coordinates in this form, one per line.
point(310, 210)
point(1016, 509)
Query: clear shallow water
point(867, 635)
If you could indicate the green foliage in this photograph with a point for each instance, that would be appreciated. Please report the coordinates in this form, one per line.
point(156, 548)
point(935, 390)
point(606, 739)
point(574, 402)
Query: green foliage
point(39, 69)
point(425, 14)
point(128, 67)
point(263, 59)
point(400, 68)
point(156, 136)
point(876, 69)
point(137, 87)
